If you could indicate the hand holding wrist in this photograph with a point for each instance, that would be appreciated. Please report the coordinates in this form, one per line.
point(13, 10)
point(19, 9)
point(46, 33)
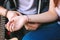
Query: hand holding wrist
point(11, 14)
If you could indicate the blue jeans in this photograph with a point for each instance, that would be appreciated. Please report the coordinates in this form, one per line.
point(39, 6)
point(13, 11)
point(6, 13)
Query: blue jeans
point(50, 31)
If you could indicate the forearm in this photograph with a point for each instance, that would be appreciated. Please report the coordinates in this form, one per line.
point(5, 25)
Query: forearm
point(43, 17)
point(3, 11)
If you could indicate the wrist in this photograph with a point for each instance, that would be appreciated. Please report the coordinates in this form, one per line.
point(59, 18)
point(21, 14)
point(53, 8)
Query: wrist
point(26, 18)
point(3, 11)
point(6, 13)
point(9, 15)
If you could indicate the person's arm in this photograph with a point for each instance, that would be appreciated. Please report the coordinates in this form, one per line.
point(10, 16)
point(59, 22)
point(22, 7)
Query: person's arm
point(17, 23)
point(48, 16)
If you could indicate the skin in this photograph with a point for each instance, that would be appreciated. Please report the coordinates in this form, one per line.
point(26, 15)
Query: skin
point(10, 14)
point(45, 17)
point(34, 27)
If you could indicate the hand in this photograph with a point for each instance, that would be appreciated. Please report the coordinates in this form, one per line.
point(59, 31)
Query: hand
point(16, 23)
point(32, 26)
point(12, 14)
point(15, 38)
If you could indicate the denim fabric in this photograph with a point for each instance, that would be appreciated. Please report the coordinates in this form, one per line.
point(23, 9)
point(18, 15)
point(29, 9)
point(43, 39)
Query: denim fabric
point(49, 31)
